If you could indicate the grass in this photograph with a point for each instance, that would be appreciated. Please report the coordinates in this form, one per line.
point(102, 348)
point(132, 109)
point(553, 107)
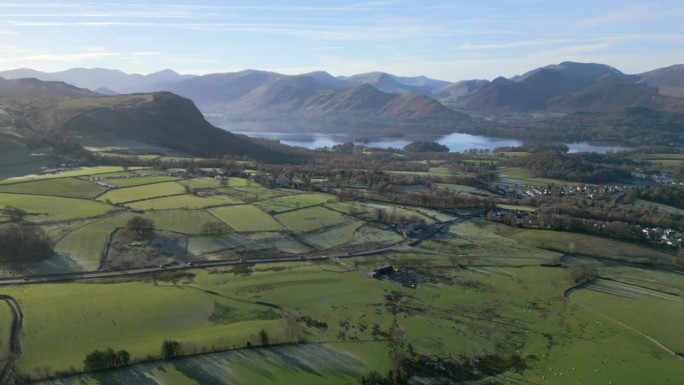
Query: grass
point(246, 218)
point(136, 317)
point(452, 312)
point(342, 235)
point(462, 188)
point(309, 219)
point(134, 180)
point(516, 207)
point(84, 245)
point(137, 193)
point(203, 182)
point(63, 187)
point(566, 242)
point(652, 312)
point(185, 201)
point(182, 221)
point(526, 177)
point(293, 202)
point(47, 209)
point(82, 171)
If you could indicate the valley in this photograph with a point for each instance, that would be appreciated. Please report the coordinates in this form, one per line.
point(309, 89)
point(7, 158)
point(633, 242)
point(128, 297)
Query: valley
point(254, 227)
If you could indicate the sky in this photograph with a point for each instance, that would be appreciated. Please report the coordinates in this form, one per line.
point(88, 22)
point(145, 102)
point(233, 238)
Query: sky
point(448, 40)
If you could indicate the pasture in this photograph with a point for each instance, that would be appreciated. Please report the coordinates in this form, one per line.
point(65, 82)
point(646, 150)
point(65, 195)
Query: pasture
point(185, 201)
point(294, 202)
point(62, 187)
point(309, 219)
point(655, 313)
point(138, 193)
point(84, 245)
point(245, 218)
point(181, 221)
point(137, 180)
point(49, 209)
point(138, 316)
point(82, 171)
point(574, 243)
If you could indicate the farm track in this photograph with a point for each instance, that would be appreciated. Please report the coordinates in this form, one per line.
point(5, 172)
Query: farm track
point(15, 338)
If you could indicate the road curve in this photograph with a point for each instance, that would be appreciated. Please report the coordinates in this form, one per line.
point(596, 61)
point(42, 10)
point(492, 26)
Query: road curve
point(15, 338)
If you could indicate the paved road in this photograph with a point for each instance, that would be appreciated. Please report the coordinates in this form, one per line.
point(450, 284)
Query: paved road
point(401, 246)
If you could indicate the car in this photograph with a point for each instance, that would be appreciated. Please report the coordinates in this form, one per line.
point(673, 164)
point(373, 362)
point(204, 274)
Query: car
point(26, 279)
point(189, 264)
point(162, 266)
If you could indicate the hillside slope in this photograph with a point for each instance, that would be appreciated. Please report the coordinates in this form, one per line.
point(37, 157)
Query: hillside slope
point(161, 119)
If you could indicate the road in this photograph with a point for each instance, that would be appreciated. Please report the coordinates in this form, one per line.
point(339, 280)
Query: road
point(15, 342)
point(398, 247)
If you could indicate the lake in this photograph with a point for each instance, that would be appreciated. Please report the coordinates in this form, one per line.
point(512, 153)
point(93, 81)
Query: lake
point(456, 142)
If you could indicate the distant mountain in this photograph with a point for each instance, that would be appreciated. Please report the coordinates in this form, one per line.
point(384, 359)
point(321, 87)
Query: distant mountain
point(459, 90)
point(668, 81)
point(96, 78)
point(562, 87)
point(326, 78)
point(266, 95)
point(34, 88)
point(398, 85)
point(160, 119)
point(610, 94)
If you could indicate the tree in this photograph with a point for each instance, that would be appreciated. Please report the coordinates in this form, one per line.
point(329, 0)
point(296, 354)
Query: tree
point(171, 349)
point(581, 272)
point(140, 226)
point(264, 337)
point(15, 213)
point(21, 243)
point(106, 359)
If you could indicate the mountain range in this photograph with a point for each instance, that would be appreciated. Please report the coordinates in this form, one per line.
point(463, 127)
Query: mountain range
point(564, 87)
point(165, 109)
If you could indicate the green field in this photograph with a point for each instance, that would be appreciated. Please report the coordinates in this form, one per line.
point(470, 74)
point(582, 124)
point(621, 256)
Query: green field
point(574, 243)
point(137, 193)
point(136, 317)
point(84, 245)
point(343, 235)
point(245, 218)
point(517, 207)
point(64, 187)
point(134, 180)
point(83, 171)
point(526, 177)
point(182, 221)
point(293, 202)
point(204, 182)
point(654, 313)
point(47, 208)
point(185, 201)
point(310, 219)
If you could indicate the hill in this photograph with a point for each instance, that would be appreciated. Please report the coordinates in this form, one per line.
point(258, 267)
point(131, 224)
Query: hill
point(568, 87)
point(668, 81)
point(162, 119)
point(96, 78)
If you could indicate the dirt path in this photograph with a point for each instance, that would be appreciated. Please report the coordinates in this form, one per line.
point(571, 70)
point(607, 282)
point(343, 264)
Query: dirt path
point(15, 339)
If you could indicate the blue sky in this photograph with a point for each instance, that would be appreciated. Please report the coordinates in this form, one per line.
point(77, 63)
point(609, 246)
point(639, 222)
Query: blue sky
point(450, 40)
